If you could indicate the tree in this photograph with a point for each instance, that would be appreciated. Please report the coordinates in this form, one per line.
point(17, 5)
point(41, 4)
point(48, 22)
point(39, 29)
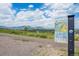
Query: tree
point(25, 28)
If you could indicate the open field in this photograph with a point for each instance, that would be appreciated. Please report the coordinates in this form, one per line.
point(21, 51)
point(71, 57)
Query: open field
point(16, 42)
point(39, 34)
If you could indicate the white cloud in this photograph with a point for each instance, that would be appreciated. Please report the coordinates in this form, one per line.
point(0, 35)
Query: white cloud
point(61, 6)
point(34, 18)
point(13, 23)
point(5, 12)
point(25, 15)
point(5, 5)
point(31, 6)
point(50, 23)
point(76, 8)
point(13, 12)
point(38, 19)
point(59, 9)
point(58, 6)
point(59, 13)
point(23, 9)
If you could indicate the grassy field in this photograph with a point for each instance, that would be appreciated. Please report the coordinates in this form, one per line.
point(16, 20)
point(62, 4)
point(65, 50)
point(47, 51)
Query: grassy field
point(39, 34)
point(76, 51)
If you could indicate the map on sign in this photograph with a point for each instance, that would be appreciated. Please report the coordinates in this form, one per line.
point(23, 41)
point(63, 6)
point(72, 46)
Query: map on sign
point(61, 30)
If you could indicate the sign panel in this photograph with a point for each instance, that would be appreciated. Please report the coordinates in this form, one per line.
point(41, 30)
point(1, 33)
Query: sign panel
point(61, 30)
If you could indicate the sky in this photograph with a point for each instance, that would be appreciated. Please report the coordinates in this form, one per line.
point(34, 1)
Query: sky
point(36, 14)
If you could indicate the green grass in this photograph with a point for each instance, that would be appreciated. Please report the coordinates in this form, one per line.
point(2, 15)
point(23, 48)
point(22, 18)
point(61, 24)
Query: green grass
point(76, 51)
point(76, 37)
point(39, 34)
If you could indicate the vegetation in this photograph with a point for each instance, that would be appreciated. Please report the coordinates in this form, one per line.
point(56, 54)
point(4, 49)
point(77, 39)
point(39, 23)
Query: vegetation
point(77, 37)
point(33, 33)
point(76, 51)
point(49, 34)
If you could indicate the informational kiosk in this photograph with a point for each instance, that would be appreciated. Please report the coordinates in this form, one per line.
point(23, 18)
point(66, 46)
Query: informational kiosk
point(64, 32)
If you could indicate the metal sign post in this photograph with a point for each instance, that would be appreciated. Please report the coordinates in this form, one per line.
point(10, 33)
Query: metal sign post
point(71, 35)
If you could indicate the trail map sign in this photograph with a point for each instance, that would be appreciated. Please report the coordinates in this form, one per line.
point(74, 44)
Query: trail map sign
point(61, 30)
point(64, 32)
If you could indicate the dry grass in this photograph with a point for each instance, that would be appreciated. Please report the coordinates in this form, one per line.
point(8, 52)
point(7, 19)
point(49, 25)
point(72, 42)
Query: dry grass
point(48, 51)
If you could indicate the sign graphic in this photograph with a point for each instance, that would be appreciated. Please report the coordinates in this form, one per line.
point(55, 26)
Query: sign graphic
point(61, 30)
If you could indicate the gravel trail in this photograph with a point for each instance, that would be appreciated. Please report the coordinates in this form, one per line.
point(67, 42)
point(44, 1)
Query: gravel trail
point(16, 45)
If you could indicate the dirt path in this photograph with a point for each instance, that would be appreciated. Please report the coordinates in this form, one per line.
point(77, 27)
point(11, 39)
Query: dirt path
point(16, 45)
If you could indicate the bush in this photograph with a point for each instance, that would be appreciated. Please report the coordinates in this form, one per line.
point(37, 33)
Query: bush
point(76, 37)
point(42, 36)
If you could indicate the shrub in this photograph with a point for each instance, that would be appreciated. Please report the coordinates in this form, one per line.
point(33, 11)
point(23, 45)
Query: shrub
point(77, 37)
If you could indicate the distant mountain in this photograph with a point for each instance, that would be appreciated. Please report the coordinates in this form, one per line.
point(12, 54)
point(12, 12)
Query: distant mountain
point(18, 27)
point(25, 28)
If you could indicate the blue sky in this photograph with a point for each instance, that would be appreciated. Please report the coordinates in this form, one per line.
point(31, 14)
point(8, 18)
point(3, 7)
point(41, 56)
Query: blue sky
point(36, 14)
point(19, 6)
point(26, 5)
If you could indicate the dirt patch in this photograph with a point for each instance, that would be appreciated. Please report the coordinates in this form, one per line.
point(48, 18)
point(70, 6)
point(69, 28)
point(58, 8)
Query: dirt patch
point(48, 51)
point(13, 45)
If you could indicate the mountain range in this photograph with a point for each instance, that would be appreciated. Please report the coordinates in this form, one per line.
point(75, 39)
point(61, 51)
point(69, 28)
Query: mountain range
point(26, 28)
